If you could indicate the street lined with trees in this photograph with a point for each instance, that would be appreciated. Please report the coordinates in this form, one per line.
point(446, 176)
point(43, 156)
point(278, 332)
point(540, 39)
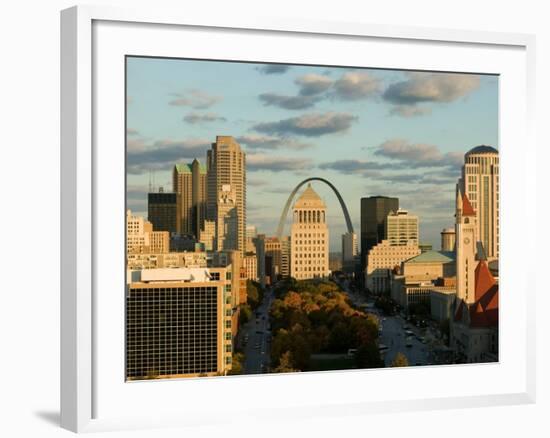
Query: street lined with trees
point(316, 318)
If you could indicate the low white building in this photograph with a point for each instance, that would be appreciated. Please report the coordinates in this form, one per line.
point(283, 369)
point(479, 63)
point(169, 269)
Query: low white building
point(382, 259)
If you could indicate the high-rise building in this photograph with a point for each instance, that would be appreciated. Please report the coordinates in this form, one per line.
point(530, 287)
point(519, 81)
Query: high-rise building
point(401, 228)
point(227, 220)
point(189, 183)
point(162, 211)
point(236, 275)
point(480, 183)
point(273, 249)
point(178, 323)
point(374, 211)
point(285, 257)
point(207, 235)
point(448, 239)
point(474, 326)
point(141, 238)
point(251, 233)
point(226, 166)
point(251, 266)
point(349, 251)
point(309, 237)
point(259, 244)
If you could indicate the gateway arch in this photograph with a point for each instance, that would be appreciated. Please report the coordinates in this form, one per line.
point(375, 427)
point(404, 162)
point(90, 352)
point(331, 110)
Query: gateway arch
point(281, 226)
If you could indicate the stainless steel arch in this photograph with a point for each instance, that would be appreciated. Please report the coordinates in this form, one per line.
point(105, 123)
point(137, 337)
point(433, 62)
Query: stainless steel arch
point(281, 226)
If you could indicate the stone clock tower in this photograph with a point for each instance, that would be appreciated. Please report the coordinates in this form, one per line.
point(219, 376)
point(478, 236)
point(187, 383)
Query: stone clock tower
point(466, 243)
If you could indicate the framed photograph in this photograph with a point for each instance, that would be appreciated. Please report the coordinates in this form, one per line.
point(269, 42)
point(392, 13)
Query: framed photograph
point(258, 208)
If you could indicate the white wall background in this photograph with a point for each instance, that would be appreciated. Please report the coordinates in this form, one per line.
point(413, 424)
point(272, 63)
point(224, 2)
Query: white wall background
point(29, 215)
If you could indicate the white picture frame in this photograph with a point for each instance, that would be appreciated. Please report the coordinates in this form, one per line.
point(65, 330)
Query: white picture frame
point(84, 370)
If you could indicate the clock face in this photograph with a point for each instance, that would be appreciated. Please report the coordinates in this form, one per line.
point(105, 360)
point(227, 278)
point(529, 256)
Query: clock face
point(466, 240)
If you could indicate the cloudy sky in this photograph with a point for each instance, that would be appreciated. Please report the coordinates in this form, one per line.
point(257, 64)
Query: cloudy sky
point(368, 131)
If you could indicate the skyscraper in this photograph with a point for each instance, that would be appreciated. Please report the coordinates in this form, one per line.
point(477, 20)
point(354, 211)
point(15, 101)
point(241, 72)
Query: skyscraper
point(226, 166)
point(349, 251)
point(227, 220)
point(374, 211)
point(273, 250)
point(162, 211)
point(309, 237)
point(480, 182)
point(178, 323)
point(189, 183)
point(401, 228)
point(285, 256)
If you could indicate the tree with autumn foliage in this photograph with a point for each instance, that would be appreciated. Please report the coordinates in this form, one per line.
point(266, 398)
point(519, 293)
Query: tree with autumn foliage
point(400, 360)
point(312, 317)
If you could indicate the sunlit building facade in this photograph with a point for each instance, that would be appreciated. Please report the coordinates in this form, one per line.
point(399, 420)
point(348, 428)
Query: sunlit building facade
point(189, 184)
point(480, 183)
point(309, 237)
point(226, 166)
point(178, 324)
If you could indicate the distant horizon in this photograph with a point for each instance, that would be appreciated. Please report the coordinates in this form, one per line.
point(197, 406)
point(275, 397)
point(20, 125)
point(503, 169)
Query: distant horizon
point(370, 132)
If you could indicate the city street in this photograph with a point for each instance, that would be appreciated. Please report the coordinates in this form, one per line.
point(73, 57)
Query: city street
point(256, 335)
point(393, 334)
point(394, 337)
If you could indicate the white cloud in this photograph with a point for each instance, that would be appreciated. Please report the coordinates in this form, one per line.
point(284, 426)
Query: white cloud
point(431, 87)
point(196, 99)
point(357, 85)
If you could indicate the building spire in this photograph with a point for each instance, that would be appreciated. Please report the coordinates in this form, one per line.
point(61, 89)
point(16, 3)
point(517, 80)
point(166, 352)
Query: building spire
point(467, 209)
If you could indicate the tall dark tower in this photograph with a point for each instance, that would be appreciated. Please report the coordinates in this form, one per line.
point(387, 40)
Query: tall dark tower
point(374, 210)
point(162, 211)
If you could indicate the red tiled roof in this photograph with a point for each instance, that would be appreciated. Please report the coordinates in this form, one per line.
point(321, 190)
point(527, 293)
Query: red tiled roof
point(467, 209)
point(484, 280)
point(484, 313)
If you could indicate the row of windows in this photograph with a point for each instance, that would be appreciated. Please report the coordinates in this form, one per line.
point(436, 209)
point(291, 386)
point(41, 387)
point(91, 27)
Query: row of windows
point(319, 261)
point(312, 269)
point(310, 242)
point(174, 289)
point(189, 350)
point(303, 252)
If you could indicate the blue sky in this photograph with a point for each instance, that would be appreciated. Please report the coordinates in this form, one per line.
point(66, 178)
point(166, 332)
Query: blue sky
point(368, 131)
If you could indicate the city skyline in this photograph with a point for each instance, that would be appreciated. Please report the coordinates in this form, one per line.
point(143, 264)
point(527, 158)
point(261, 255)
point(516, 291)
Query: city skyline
point(401, 134)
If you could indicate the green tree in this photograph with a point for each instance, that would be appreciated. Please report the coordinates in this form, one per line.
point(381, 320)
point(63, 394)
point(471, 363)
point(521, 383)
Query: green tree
point(400, 360)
